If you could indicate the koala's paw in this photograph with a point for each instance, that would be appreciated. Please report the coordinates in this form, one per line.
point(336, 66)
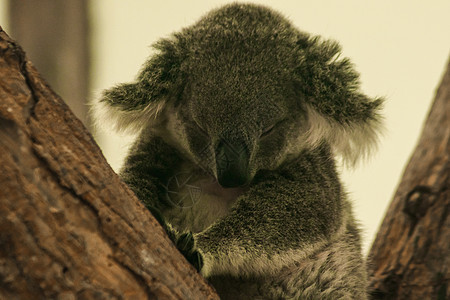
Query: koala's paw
point(186, 245)
point(184, 242)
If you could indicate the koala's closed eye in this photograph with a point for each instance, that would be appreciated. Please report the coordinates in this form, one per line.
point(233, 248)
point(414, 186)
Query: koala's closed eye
point(268, 130)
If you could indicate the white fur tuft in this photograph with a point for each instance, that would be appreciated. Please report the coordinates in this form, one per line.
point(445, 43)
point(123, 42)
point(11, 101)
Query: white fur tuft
point(352, 142)
point(107, 116)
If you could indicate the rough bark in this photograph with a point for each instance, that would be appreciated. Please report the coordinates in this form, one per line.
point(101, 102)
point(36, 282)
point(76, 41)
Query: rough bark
point(69, 227)
point(411, 253)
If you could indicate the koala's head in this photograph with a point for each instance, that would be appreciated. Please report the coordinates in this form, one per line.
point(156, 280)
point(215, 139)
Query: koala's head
point(243, 90)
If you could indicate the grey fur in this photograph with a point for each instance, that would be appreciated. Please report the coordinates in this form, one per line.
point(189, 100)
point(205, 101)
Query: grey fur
point(252, 113)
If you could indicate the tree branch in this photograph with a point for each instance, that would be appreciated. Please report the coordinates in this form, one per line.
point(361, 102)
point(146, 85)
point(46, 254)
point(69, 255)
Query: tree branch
point(411, 253)
point(69, 227)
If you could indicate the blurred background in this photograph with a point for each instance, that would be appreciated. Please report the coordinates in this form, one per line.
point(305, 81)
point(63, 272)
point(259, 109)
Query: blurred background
point(399, 47)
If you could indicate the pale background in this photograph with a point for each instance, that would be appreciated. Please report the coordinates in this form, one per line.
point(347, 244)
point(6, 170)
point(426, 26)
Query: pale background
point(400, 48)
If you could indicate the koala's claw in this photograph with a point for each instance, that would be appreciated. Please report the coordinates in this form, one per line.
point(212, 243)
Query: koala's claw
point(186, 245)
point(184, 242)
point(196, 260)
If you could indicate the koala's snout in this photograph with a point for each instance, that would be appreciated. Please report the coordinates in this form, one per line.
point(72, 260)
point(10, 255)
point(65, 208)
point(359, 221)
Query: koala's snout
point(232, 164)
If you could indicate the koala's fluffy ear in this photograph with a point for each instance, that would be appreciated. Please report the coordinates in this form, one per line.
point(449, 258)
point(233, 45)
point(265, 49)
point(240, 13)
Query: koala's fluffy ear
point(337, 110)
point(132, 106)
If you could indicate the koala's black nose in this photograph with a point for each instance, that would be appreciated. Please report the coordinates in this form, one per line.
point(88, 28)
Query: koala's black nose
point(232, 164)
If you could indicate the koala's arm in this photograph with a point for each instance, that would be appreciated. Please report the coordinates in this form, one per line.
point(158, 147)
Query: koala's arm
point(148, 168)
point(285, 216)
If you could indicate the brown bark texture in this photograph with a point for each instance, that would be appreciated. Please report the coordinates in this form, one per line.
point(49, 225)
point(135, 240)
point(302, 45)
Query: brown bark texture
point(410, 257)
point(69, 227)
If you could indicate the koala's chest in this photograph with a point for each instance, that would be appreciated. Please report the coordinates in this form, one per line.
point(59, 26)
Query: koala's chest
point(198, 201)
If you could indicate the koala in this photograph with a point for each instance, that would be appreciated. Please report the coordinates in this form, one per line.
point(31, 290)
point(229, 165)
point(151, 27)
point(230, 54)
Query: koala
point(241, 120)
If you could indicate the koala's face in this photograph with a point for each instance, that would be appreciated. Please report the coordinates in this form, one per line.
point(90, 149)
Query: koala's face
point(239, 113)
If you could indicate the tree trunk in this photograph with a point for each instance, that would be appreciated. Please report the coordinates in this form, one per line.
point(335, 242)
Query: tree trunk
point(411, 253)
point(69, 227)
